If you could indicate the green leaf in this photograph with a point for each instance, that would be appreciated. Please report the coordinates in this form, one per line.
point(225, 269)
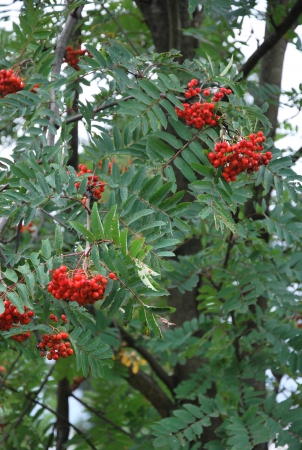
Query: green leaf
point(46, 249)
point(136, 246)
point(170, 108)
point(41, 34)
point(96, 223)
point(123, 241)
point(97, 55)
point(153, 324)
point(117, 302)
point(58, 240)
point(110, 297)
point(185, 169)
point(11, 275)
point(117, 138)
point(139, 214)
point(150, 88)
point(81, 229)
point(227, 68)
point(24, 294)
point(203, 170)
point(16, 300)
point(192, 5)
point(161, 309)
point(115, 230)
point(43, 184)
point(108, 221)
point(128, 312)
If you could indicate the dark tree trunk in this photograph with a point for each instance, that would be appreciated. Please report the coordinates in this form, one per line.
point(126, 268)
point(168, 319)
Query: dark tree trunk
point(166, 19)
point(63, 414)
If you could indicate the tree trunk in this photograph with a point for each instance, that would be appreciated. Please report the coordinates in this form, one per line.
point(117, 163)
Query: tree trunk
point(63, 414)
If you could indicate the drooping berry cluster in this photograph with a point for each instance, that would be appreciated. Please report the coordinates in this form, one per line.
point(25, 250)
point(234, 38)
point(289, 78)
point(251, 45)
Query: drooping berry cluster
point(54, 346)
point(241, 156)
point(192, 89)
point(54, 318)
point(21, 337)
point(77, 286)
point(72, 56)
point(11, 316)
point(123, 167)
point(10, 82)
point(220, 93)
point(27, 228)
point(198, 114)
point(33, 89)
point(94, 185)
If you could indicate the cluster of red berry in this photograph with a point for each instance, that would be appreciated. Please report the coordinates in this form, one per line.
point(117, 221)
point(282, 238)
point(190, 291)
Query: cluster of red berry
point(54, 318)
point(78, 286)
point(27, 228)
point(33, 89)
point(53, 346)
point(239, 157)
point(11, 316)
point(10, 82)
point(192, 90)
point(220, 93)
point(94, 185)
point(200, 114)
point(72, 56)
point(123, 168)
point(21, 337)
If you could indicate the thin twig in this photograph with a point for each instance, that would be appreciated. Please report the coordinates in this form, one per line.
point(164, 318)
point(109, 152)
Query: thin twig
point(272, 38)
point(71, 21)
point(7, 241)
point(87, 247)
point(102, 416)
point(54, 413)
point(96, 110)
point(32, 400)
point(59, 221)
point(5, 186)
point(10, 370)
point(122, 29)
point(167, 379)
point(18, 235)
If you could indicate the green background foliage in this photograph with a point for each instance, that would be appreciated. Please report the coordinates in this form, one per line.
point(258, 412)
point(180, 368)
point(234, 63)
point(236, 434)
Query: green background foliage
point(192, 342)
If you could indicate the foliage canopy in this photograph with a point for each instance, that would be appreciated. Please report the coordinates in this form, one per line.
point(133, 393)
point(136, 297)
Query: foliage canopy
point(167, 225)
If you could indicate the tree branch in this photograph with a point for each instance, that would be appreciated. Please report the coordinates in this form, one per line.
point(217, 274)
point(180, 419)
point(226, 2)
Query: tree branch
point(147, 386)
point(71, 21)
point(62, 426)
point(121, 28)
point(10, 370)
point(32, 400)
point(162, 375)
point(272, 38)
point(96, 110)
point(297, 155)
point(102, 416)
point(54, 413)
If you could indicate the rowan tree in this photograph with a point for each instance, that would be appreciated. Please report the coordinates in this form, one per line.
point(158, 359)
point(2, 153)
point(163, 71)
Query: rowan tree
point(151, 258)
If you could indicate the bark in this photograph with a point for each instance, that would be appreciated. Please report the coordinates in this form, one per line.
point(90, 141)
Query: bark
point(62, 413)
point(151, 391)
point(270, 72)
point(165, 20)
point(272, 38)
